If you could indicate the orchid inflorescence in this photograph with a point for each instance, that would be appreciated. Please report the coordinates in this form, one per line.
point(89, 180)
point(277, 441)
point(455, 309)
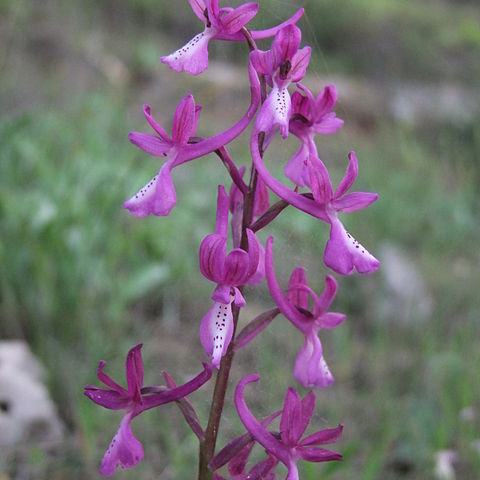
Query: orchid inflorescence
point(273, 110)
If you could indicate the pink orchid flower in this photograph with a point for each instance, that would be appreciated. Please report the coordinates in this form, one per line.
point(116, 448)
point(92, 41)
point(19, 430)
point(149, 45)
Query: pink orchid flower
point(221, 24)
point(125, 450)
point(158, 196)
point(296, 415)
point(343, 254)
point(228, 272)
point(282, 64)
point(310, 116)
point(311, 369)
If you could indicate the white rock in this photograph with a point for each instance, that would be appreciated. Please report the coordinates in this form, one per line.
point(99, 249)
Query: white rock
point(27, 413)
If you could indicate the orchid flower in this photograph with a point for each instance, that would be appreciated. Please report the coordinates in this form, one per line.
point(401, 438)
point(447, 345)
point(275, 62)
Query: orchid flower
point(309, 117)
point(296, 415)
point(221, 24)
point(158, 196)
point(125, 450)
point(228, 272)
point(343, 254)
point(282, 64)
point(310, 370)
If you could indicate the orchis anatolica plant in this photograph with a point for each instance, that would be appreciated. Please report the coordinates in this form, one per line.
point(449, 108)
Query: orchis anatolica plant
point(278, 112)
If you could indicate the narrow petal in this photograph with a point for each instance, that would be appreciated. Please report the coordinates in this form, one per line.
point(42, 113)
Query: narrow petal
point(350, 176)
point(343, 254)
point(299, 297)
point(354, 201)
point(261, 435)
point(184, 120)
point(285, 306)
point(330, 320)
point(149, 143)
point(221, 225)
point(329, 435)
point(238, 299)
point(275, 112)
point(263, 470)
point(110, 399)
point(259, 273)
point(292, 410)
point(125, 450)
point(236, 19)
point(107, 380)
point(198, 7)
point(300, 103)
point(253, 253)
point(147, 111)
point(300, 62)
point(322, 303)
point(319, 181)
point(134, 369)
point(193, 57)
point(325, 102)
point(216, 331)
point(316, 454)
point(328, 124)
point(157, 197)
point(287, 41)
point(212, 257)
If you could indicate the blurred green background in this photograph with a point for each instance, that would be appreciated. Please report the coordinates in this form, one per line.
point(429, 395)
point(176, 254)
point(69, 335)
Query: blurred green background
point(82, 280)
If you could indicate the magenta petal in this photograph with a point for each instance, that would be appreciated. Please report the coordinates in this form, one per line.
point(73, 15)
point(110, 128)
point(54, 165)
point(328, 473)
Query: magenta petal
point(110, 399)
point(238, 299)
point(286, 41)
point(222, 294)
point(212, 257)
point(236, 267)
point(344, 254)
point(198, 7)
point(236, 19)
point(330, 320)
point(350, 176)
point(322, 303)
point(296, 169)
point(300, 62)
point(216, 331)
point(184, 120)
point(254, 247)
point(292, 410)
point(157, 197)
point(316, 454)
point(221, 225)
point(319, 181)
point(147, 111)
point(259, 273)
point(328, 124)
point(107, 380)
point(125, 450)
point(262, 200)
point(354, 201)
point(261, 435)
point(275, 112)
point(264, 62)
point(329, 435)
point(325, 102)
point(149, 143)
point(298, 296)
point(193, 57)
point(134, 369)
